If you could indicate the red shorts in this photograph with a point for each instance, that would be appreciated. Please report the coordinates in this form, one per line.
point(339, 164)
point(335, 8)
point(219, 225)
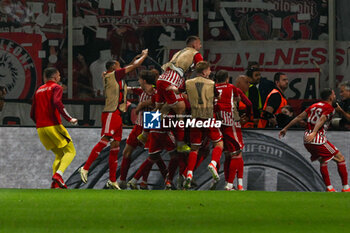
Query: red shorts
point(160, 140)
point(197, 135)
point(112, 125)
point(166, 96)
point(132, 139)
point(325, 151)
point(233, 139)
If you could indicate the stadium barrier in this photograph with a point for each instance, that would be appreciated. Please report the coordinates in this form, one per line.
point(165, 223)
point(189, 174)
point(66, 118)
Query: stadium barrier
point(270, 163)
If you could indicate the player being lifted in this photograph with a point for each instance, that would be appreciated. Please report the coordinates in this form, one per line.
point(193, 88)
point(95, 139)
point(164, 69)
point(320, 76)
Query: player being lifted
point(319, 116)
point(115, 92)
point(175, 72)
point(227, 111)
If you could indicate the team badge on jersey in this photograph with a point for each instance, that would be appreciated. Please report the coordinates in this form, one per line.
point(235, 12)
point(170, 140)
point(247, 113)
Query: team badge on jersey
point(151, 120)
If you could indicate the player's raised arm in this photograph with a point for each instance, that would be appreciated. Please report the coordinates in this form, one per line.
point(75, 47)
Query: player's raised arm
point(297, 119)
point(137, 62)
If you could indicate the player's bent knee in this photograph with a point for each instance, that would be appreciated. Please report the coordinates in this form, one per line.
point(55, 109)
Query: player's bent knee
point(219, 144)
point(236, 154)
point(339, 158)
point(195, 148)
point(179, 107)
point(154, 157)
point(69, 148)
point(115, 144)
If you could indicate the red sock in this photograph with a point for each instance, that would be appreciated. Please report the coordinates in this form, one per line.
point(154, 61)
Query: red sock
point(227, 167)
point(162, 167)
point(113, 164)
point(146, 173)
point(325, 174)
point(95, 152)
point(240, 168)
point(172, 166)
point(144, 166)
point(343, 173)
point(124, 168)
point(199, 161)
point(234, 164)
point(192, 159)
point(216, 154)
point(182, 163)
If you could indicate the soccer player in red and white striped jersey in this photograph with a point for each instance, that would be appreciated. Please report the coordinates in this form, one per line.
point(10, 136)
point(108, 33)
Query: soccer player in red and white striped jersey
point(227, 111)
point(174, 75)
point(146, 93)
point(318, 117)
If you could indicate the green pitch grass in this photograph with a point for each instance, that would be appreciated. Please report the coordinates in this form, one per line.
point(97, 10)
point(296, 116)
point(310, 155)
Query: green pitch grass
point(172, 211)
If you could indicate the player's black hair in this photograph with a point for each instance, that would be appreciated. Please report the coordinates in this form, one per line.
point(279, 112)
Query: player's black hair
point(277, 76)
point(190, 39)
point(109, 64)
point(251, 70)
point(221, 76)
point(289, 108)
point(252, 64)
point(149, 76)
point(48, 72)
point(326, 93)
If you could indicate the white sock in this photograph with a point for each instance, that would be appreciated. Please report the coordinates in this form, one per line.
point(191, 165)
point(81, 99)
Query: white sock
point(133, 180)
point(190, 173)
point(240, 181)
point(346, 186)
point(229, 186)
point(214, 163)
point(330, 186)
point(60, 172)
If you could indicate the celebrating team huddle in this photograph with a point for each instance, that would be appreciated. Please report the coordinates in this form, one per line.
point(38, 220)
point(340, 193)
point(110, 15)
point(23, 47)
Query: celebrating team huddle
point(209, 107)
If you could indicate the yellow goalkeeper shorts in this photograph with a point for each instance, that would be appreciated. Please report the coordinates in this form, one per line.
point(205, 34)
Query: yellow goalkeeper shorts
point(54, 136)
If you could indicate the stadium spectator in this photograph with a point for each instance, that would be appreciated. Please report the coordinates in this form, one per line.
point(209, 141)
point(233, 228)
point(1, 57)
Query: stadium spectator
point(45, 112)
point(174, 75)
point(319, 116)
point(115, 92)
point(82, 87)
point(286, 116)
point(227, 112)
point(275, 101)
point(2, 95)
point(97, 68)
point(345, 103)
point(253, 93)
point(244, 108)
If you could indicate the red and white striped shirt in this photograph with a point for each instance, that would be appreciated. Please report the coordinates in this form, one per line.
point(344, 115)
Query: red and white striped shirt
point(144, 97)
point(172, 77)
point(225, 105)
point(314, 112)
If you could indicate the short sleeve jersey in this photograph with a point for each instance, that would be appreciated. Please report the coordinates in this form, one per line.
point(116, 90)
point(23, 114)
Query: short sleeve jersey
point(225, 105)
point(314, 112)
